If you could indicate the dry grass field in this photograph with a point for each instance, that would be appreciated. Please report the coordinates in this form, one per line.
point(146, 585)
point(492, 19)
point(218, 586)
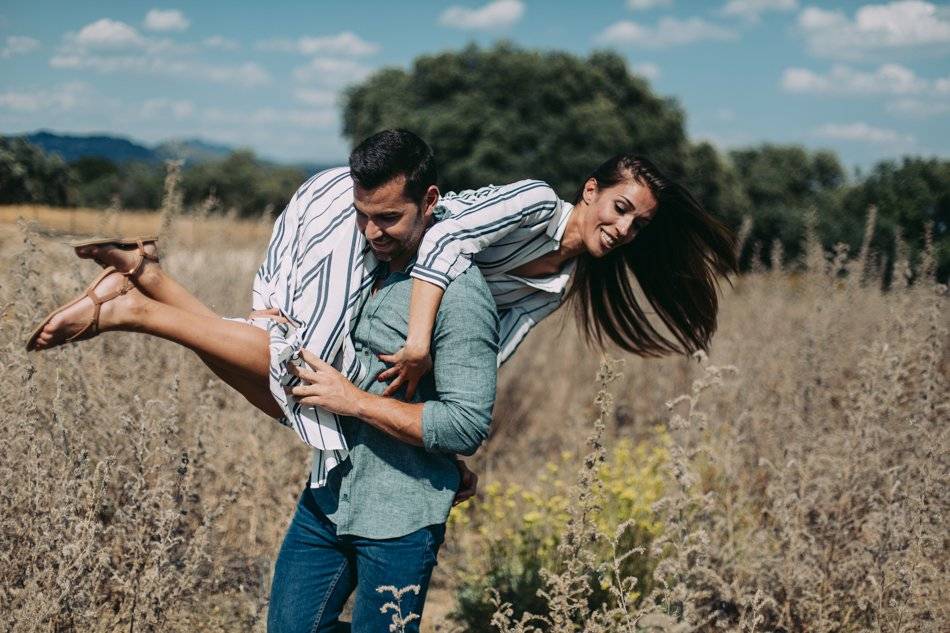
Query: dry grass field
point(804, 479)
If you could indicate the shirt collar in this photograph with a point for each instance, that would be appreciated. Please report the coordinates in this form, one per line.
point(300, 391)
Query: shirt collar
point(558, 223)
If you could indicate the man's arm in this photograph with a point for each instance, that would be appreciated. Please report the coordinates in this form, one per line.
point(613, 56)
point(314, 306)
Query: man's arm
point(330, 389)
point(465, 351)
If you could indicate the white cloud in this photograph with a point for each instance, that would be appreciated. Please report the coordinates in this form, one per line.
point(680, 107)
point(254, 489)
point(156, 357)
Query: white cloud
point(220, 42)
point(644, 5)
point(18, 45)
point(667, 32)
point(162, 108)
point(106, 33)
point(496, 15)
point(897, 26)
point(844, 80)
point(345, 43)
point(304, 118)
point(864, 133)
point(107, 46)
point(752, 10)
point(166, 20)
point(918, 108)
point(647, 69)
point(246, 75)
point(331, 71)
point(323, 98)
point(63, 98)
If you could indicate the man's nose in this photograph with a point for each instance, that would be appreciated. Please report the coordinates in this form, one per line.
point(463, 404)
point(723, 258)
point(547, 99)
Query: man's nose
point(372, 231)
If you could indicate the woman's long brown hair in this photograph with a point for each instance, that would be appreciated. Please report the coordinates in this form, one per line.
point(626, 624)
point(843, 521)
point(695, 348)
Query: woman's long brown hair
point(677, 260)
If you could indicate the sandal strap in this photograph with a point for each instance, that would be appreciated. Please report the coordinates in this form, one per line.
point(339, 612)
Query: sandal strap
point(142, 257)
point(97, 302)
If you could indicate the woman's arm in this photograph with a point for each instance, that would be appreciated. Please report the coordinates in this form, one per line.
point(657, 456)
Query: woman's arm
point(445, 253)
point(413, 362)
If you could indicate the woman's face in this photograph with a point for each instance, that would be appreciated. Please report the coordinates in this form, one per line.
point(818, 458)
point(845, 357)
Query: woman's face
point(615, 214)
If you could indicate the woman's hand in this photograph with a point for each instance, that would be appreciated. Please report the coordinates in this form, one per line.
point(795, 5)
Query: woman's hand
point(409, 365)
point(468, 484)
point(324, 387)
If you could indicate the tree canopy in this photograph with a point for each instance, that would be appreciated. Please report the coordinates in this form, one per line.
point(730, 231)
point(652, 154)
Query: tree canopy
point(501, 114)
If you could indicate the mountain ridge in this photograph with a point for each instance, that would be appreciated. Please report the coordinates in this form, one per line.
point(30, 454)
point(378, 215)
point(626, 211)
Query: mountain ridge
point(120, 149)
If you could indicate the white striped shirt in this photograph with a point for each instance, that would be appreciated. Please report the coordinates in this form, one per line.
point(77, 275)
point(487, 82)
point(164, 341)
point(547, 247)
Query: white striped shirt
point(319, 272)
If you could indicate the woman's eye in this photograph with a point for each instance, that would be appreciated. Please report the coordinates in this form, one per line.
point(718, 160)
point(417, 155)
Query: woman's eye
point(620, 209)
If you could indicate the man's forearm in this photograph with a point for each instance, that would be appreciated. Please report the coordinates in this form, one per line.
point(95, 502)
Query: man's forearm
point(402, 420)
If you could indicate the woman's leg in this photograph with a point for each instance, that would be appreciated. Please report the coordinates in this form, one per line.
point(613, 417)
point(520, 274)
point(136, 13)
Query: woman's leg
point(158, 285)
point(236, 352)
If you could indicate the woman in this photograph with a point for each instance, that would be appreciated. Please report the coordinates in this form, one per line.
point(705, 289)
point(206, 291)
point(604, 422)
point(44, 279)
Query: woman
point(626, 218)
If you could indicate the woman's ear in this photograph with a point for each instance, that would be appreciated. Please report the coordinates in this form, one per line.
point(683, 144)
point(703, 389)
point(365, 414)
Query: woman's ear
point(590, 190)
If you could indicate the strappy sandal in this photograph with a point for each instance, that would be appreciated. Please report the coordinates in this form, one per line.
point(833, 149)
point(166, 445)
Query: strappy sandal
point(119, 242)
point(97, 302)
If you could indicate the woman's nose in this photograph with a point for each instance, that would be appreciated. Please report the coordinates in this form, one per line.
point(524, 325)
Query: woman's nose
point(625, 226)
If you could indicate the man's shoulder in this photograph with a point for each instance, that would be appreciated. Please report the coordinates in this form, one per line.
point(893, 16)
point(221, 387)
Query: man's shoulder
point(467, 292)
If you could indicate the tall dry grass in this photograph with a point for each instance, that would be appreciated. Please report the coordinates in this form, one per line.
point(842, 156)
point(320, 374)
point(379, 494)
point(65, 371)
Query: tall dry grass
point(807, 491)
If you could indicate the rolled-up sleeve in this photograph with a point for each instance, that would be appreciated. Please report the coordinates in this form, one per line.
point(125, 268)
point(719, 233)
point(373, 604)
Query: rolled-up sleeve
point(447, 247)
point(464, 354)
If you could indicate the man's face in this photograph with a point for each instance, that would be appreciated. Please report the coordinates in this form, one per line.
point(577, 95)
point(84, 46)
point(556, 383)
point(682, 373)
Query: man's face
point(392, 223)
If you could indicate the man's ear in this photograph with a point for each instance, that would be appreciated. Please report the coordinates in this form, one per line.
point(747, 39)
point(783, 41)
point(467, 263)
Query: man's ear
point(430, 199)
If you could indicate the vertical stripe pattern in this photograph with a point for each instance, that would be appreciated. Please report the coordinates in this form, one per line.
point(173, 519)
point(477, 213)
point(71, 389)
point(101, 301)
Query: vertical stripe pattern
point(318, 271)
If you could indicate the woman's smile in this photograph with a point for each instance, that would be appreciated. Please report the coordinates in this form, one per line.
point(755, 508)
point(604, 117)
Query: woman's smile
point(607, 240)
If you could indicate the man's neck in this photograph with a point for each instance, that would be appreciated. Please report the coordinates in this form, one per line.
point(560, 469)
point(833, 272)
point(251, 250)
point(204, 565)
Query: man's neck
point(398, 264)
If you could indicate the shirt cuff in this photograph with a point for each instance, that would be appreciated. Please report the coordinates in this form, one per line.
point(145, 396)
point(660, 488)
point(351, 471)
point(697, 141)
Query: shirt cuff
point(432, 276)
point(443, 272)
point(430, 413)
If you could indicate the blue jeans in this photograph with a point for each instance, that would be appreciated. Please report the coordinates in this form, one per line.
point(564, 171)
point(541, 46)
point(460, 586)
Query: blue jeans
point(317, 570)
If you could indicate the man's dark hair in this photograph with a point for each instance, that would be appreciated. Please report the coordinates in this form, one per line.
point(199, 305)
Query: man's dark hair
point(387, 154)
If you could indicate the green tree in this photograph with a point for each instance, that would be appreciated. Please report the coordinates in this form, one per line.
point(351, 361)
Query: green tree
point(497, 115)
point(29, 175)
point(781, 182)
point(243, 182)
point(95, 180)
point(907, 195)
point(714, 180)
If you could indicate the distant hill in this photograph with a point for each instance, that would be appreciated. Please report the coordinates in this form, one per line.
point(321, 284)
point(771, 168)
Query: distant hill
point(71, 148)
point(191, 150)
point(120, 150)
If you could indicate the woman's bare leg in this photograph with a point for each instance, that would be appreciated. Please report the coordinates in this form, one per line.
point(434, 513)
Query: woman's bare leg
point(231, 343)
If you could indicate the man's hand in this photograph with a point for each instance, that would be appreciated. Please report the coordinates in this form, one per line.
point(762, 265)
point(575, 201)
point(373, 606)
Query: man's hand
point(468, 484)
point(270, 313)
point(324, 387)
point(409, 365)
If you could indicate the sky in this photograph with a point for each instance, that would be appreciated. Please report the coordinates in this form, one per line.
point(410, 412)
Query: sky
point(868, 81)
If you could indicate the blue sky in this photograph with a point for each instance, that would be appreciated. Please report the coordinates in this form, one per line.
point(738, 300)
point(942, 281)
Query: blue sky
point(869, 81)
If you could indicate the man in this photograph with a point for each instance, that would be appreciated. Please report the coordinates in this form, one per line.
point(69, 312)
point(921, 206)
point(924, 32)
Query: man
point(380, 518)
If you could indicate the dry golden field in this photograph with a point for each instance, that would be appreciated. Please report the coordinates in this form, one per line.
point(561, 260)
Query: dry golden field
point(803, 487)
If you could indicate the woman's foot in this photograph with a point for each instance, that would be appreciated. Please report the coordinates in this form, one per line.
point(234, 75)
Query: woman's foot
point(109, 303)
point(139, 261)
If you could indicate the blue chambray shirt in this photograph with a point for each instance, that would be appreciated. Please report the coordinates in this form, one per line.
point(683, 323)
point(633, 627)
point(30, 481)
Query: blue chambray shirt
point(387, 488)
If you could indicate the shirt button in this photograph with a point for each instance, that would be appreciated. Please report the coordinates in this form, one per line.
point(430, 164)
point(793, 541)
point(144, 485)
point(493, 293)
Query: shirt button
point(346, 497)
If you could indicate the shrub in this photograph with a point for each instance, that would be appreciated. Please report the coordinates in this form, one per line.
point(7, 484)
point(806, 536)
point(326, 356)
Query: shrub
point(518, 530)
